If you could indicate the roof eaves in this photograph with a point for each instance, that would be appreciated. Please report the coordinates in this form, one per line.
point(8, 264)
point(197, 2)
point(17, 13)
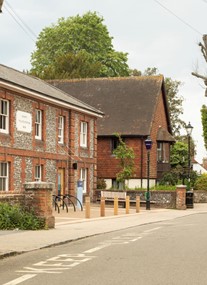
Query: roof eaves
point(58, 101)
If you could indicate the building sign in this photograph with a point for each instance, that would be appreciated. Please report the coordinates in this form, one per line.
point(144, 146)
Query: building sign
point(24, 122)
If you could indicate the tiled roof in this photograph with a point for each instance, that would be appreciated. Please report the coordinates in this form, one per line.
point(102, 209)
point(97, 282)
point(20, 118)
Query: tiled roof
point(20, 79)
point(129, 103)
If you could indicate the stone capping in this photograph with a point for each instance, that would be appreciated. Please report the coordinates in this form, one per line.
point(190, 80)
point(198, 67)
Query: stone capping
point(36, 185)
point(180, 186)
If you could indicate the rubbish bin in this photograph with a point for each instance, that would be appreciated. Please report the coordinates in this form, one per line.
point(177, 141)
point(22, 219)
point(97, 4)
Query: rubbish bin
point(189, 199)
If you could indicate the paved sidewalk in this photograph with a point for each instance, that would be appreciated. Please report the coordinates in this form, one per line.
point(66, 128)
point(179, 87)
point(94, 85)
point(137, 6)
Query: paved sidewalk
point(73, 226)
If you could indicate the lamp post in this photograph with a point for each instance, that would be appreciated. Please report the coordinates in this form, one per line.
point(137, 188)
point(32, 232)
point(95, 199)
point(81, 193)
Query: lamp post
point(189, 129)
point(148, 145)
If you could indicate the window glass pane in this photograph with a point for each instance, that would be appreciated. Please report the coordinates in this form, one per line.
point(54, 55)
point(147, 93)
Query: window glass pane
point(38, 173)
point(4, 116)
point(38, 124)
point(3, 176)
point(83, 134)
point(61, 129)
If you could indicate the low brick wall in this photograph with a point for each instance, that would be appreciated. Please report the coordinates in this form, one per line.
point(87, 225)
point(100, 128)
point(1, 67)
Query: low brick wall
point(37, 196)
point(12, 198)
point(163, 199)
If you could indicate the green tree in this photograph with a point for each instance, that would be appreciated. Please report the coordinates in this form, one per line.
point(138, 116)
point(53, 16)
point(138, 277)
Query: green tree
point(77, 47)
point(204, 123)
point(175, 105)
point(179, 155)
point(174, 99)
point(179, 165)
point(126, 156)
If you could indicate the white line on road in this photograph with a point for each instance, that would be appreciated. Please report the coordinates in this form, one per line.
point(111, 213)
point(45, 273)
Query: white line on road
point(151, 230)
point(96, 248)
point(135, 239)
point(20, 279)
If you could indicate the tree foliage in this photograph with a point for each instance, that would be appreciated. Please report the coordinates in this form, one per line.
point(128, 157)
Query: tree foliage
point(179, 165)
point(204, 124)
point(77, 47)
point(179, 155)
point(126, 156)
point(201, 182)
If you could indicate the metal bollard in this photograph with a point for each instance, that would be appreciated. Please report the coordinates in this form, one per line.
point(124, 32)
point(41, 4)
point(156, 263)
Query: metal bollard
point(137, 204)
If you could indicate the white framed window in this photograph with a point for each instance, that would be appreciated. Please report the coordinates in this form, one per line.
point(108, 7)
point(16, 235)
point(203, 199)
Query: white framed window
point(83, 134)
point(38, 124)
point(38, 172)
point(83, 177)
point(4, 176)
point(4, 116)
point(61, 129)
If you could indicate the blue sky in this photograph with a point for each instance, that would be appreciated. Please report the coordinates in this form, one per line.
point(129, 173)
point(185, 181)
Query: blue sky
point(163, 34)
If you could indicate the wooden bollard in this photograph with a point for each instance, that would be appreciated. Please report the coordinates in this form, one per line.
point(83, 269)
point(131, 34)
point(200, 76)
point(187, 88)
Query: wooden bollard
point(88, 208)
point(102, 207)
point(137, 204)
point(116, 205)
point(127, 204)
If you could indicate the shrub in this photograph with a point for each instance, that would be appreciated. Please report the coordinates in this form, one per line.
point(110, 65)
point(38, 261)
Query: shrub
point(169, 178)
point(101, 183)
point(16, 217)
point(201, 182)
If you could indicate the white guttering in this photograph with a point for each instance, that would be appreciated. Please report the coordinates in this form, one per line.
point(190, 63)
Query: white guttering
point(49, 99)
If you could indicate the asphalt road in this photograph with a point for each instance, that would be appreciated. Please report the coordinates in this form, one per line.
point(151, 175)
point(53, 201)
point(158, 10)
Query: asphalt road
point(173, 252)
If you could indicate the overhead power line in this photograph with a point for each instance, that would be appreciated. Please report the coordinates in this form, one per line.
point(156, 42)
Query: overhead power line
point(20, 22)
point(179, 18)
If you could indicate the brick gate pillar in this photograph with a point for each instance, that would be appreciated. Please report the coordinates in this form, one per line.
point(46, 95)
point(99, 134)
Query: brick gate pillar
point(181, 197)
point(39, 198)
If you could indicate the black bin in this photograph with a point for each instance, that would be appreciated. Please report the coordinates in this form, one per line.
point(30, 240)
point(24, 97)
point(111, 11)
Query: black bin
point(189, 199)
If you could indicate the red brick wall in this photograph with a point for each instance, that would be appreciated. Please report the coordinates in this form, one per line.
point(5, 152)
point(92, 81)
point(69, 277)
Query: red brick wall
point(108, 165)
point(40, 152)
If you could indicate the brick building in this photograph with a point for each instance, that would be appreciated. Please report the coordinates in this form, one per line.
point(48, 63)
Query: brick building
point(134, 107)
point(45, 135)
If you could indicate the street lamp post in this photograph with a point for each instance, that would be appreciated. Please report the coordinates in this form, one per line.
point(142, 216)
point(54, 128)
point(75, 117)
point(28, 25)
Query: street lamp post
point(189, 129)
point(148, 145)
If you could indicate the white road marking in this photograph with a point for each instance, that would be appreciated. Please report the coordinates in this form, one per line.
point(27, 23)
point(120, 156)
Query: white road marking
point(67, 261)
point(20, 279)
point(135, 239)
point(151, 230)
point(39, 270)
point(96, 248)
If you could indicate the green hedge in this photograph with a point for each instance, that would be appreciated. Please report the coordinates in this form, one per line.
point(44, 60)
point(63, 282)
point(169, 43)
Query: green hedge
point(15, 217)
